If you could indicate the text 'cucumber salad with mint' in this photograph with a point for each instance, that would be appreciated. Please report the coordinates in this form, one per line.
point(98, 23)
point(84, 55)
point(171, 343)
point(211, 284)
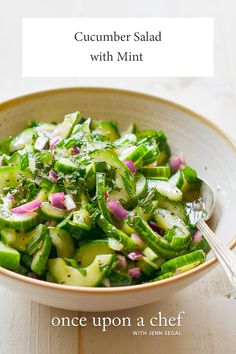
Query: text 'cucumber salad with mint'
point(83, 204)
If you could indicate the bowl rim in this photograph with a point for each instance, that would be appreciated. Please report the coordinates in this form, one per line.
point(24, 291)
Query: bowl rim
point(126, 289)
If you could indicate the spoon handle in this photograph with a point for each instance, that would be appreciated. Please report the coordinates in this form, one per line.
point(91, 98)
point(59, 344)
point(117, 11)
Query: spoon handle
point(225, 256)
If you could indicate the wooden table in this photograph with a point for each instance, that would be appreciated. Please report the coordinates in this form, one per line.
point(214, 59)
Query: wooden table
point(209, 321)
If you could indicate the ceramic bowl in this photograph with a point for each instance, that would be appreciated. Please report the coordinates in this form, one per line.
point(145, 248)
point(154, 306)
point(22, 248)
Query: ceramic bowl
point(204, 146)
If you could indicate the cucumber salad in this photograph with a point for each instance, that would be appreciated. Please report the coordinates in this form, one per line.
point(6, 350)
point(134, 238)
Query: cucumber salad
point(82, 204)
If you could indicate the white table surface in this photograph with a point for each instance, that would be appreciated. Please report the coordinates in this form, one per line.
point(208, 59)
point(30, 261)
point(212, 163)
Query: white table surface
point(210, 321)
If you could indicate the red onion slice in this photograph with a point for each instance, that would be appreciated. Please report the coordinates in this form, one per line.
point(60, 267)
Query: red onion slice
point(69, 202)
point(197, 236)
point(177, 162)
point(55, 141)
point(28, 207)
point(130, 165)
point(53, 176)
point(122, 262)
point(117, 209)
point(134, 272)
point(134, 256)
point(40, 143)
point(58, 200)
point(74, 150)
point(154, 227)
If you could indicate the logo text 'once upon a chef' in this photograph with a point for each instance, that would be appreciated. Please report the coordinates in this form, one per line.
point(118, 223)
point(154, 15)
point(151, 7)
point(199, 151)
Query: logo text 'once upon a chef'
point(106, 322)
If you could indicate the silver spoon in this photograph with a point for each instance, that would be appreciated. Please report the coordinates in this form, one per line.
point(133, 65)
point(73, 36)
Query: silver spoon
point(224, 255)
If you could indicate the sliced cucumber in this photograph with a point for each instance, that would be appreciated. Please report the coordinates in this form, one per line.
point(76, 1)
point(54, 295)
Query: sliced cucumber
point(18, 221)
point(152, 155)
point(101, 166)
point(175, 208)
point(83, 126)
point(134, 153)
point(166, 220)
point(15, 159)
point(66, 127)
point(201, 245)
point(119, 235)
point(65, 165)
point(126, 228)
point(192, 184)
point(82, 218)
point(65, 221)
point(88, 251)
point(178, 239)
point(76, 232)
point(156, 172)
point(119, 278)
point(46, 157)
point(115, 244)
point(8, 236)
point(126, 140)
point(177, 179)
point(166, 189)
point(108, 129)
point(63, 242)
point(178, 233)
point(156, 242)
point(111, 159)
point(90, 276)
point(124, 190)
point(40, 258)
point(10, 176)
point(124, 176)
point(163, 147)
point(34, 239)
point(146, 133)
point(164, 276)
point(147, 266)
point(90, 176)
point(146, 214)
point(148, 252)
point(184, 263)
point(141, 185)
point(21, 140)
point(19, 241)
point(9, 257)
point(51, 212)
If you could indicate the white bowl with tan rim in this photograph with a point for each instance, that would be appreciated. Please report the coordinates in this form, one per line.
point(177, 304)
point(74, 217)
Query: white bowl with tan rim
point(205, 148)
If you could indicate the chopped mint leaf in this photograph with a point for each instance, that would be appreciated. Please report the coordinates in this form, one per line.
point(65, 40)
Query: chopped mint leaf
point(24, 162)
